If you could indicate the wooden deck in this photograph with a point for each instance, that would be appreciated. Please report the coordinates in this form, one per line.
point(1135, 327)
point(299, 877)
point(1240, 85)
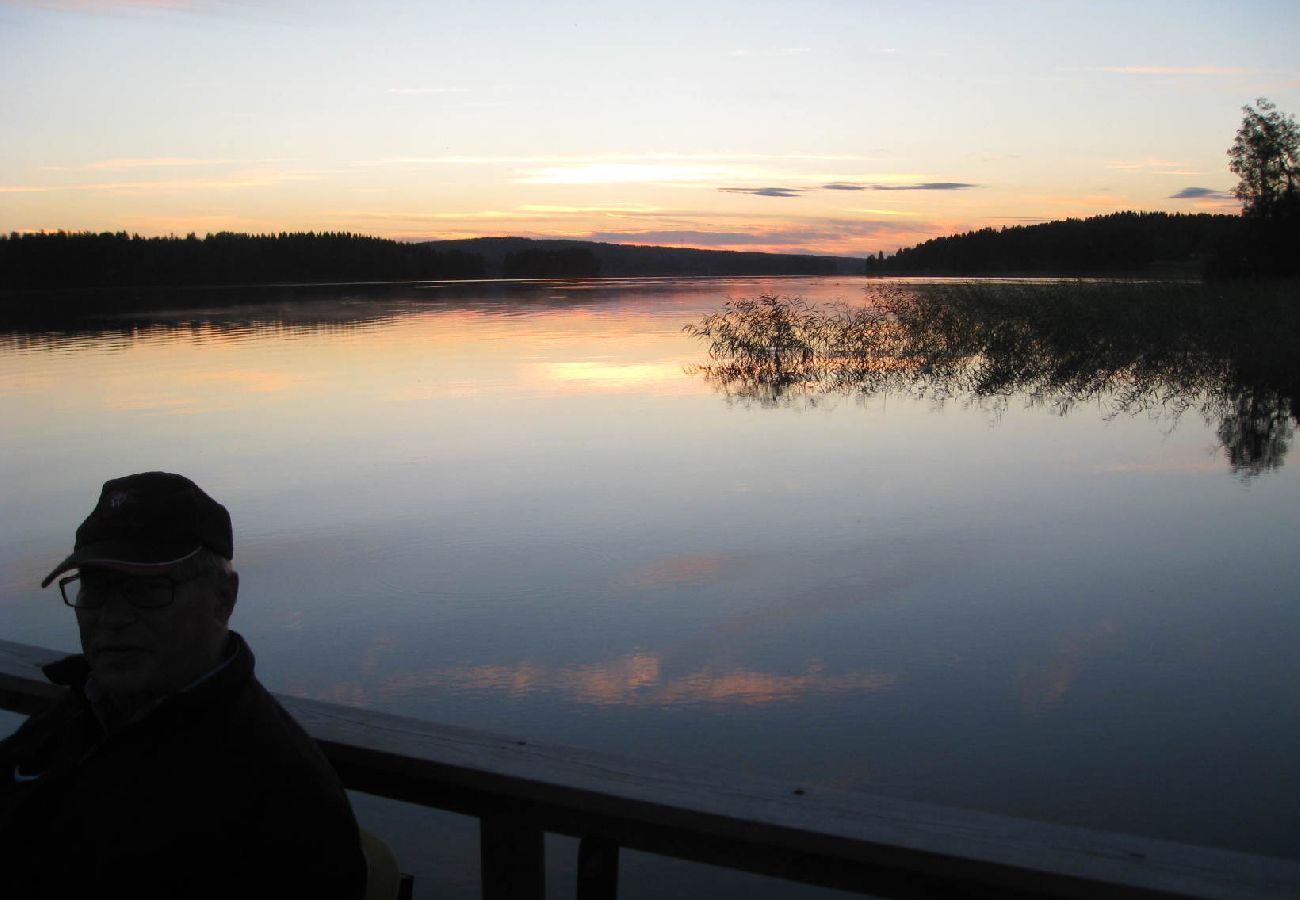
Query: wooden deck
point(520, 789)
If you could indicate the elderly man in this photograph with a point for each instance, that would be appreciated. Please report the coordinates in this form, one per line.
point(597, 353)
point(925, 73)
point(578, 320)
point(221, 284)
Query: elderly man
point(167, 770)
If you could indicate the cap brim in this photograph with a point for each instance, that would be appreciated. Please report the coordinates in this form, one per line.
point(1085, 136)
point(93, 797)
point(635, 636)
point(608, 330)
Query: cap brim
point(130, 558)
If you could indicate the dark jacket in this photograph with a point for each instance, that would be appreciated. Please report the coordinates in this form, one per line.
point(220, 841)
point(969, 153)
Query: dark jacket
point(216, 792)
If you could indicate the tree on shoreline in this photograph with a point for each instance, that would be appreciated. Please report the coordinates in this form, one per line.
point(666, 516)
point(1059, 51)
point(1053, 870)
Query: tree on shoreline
point(1266, 158)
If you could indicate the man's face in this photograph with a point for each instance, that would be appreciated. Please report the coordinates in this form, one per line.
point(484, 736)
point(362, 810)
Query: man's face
point(148, 653)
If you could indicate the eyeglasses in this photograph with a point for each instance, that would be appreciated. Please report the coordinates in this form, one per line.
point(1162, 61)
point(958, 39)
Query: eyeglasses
point(91, 589)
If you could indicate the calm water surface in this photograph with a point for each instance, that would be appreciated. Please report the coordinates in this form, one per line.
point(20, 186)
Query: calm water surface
point(519, 508)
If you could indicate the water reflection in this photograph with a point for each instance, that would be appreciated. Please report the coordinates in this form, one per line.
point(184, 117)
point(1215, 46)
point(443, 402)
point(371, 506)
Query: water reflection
point(1047, 679)
point(1130, 348)
point(505, 511)
point(639, 679)
point(109, 319)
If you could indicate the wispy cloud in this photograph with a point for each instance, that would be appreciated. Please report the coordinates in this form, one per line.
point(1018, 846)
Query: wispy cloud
point(426, 90)
point(626, 173)
point(489, 214)
point(254, 178)
point(120, 7)
point(926, 186)
point(764, 191)
point(685, 237)
point(787, 237)
point(1150, 164)
point(1173, 70)
point(600, 158)
point(1156, 70)
point(1202, 193)
point(620, 209)
point(1103, 199)
point(920, 186)
point(878, 212)
point(850, 186)
point(155, 162)
point(778, 51)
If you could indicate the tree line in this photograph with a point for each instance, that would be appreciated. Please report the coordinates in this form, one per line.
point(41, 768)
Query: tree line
point(566, 262)
point(60, 259)
point(1123, 243)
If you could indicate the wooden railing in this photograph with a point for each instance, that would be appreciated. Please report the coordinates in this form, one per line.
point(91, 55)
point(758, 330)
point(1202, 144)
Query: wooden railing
point(520, 789)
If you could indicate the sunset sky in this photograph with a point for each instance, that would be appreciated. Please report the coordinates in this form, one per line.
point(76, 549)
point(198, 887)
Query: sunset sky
point(824, 127)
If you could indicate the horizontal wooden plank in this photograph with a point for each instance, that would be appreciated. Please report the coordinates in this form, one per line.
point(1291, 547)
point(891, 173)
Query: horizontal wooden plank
point(948, 849)
point(23, 687)
point(790, 829)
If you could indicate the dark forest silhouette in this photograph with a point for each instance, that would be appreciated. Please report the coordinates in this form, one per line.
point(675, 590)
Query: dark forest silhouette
point(1124, 243)
point(114, 260)
point(61, 260)
point(566, 262)
point(1225, 351)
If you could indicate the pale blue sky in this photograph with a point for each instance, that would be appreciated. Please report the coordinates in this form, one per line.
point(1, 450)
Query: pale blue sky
point(625, 121)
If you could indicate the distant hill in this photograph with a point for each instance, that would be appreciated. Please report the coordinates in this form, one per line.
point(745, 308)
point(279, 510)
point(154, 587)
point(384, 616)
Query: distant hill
point(507, 257)
point(1126, 243)
point(85, 260)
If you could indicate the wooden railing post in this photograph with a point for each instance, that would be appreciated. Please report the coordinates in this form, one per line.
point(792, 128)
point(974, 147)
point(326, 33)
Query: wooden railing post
point(597, 869)
point(512, 859)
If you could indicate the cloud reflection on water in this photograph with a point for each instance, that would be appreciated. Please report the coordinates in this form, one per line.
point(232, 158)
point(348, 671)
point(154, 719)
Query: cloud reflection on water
point(1045, 681)
point(597, 376)
point(635, 680)
point(676, 570)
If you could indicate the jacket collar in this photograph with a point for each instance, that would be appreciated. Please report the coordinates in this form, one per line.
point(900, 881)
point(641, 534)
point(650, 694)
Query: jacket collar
point(220, 683)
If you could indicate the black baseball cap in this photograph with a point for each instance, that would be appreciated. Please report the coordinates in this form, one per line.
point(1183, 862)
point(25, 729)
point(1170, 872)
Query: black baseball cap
point(149, 520)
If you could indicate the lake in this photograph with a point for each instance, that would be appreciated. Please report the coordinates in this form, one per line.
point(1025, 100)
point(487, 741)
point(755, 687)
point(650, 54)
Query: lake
point(1063, 590)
